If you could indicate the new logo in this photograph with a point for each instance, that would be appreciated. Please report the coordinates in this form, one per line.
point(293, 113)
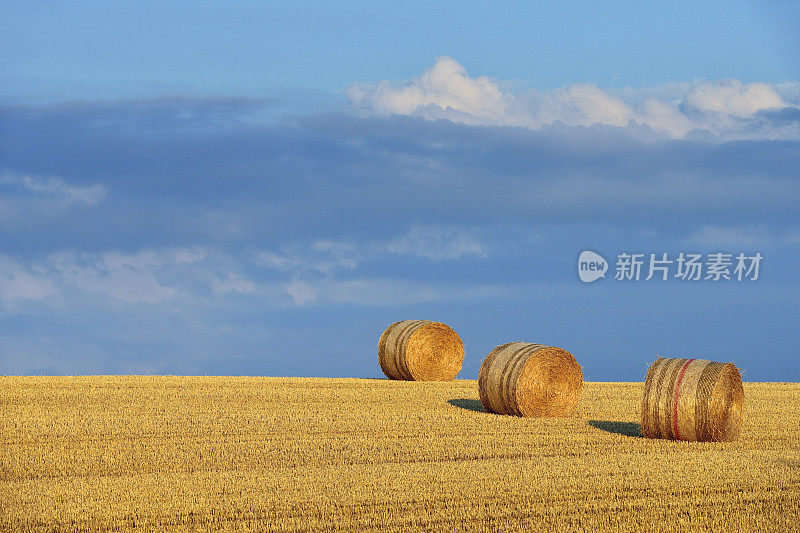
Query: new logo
point(591, 266)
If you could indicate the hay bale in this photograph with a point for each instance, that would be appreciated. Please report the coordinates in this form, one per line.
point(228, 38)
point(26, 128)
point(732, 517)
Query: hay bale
point(526, 379)
point(420, 350)
point(692, 399)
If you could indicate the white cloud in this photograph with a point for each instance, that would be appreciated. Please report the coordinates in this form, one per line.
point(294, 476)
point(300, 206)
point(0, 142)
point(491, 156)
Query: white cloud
point(130, 278)
point(322, 256)
point(188, 255)
point(143, 276)
point(233, 282)
point(314, 268)
point(710, 236)
point(665, 118)
point(582, 104)
point(388, 292)
point(273, 260)
point(726, 108)
point(301, 292)
point(445, 85)
point(748, 237)
point(147, 276)
point(18, 282)
point(339, 254)
point(437, 243)
point(788, 90)
point(57, 189)
point(732, 97)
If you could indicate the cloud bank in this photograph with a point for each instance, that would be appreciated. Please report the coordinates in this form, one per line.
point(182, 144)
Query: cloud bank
point(725, 109)
point(191, 235)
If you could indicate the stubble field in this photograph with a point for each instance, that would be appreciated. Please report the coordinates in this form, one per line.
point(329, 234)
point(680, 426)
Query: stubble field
point(121, 452)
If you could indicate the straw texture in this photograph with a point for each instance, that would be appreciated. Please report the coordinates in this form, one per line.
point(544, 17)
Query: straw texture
point(692, 399)
point(420, 350)
point(533, 380)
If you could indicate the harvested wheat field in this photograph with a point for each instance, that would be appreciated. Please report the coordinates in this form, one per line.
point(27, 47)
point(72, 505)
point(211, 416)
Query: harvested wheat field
point(97, 453)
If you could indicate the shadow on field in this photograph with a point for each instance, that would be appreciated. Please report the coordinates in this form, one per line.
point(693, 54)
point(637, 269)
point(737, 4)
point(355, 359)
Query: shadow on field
point(629, 429)
point(466, 403)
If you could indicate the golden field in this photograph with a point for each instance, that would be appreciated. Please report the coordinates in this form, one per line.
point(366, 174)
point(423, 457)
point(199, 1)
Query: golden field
point(197, 453)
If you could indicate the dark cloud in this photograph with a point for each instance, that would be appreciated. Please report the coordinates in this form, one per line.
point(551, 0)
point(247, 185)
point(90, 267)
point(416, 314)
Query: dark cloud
point(195, 236)
point(781, 117)
point(188, 171)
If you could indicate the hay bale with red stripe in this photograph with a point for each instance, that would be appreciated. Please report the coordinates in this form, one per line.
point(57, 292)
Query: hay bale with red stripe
point(693, 400)
point(420, 350)
point(532, 380)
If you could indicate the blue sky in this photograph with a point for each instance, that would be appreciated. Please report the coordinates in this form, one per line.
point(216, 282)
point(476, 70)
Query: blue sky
point(260, 188)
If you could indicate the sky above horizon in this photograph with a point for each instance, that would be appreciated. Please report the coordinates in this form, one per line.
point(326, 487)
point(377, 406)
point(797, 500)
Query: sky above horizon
point(260, 188)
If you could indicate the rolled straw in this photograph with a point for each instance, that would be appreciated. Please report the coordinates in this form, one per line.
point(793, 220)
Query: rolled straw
point(420, 350)
point(692, 399)
point(525, 379)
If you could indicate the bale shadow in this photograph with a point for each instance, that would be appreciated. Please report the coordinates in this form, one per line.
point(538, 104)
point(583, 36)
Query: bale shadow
point(629, 429)
point(467, 403)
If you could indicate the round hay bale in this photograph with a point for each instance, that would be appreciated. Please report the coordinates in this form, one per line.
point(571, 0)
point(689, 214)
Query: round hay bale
point(420, 350)
point(526, 379)
point(692, 399)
